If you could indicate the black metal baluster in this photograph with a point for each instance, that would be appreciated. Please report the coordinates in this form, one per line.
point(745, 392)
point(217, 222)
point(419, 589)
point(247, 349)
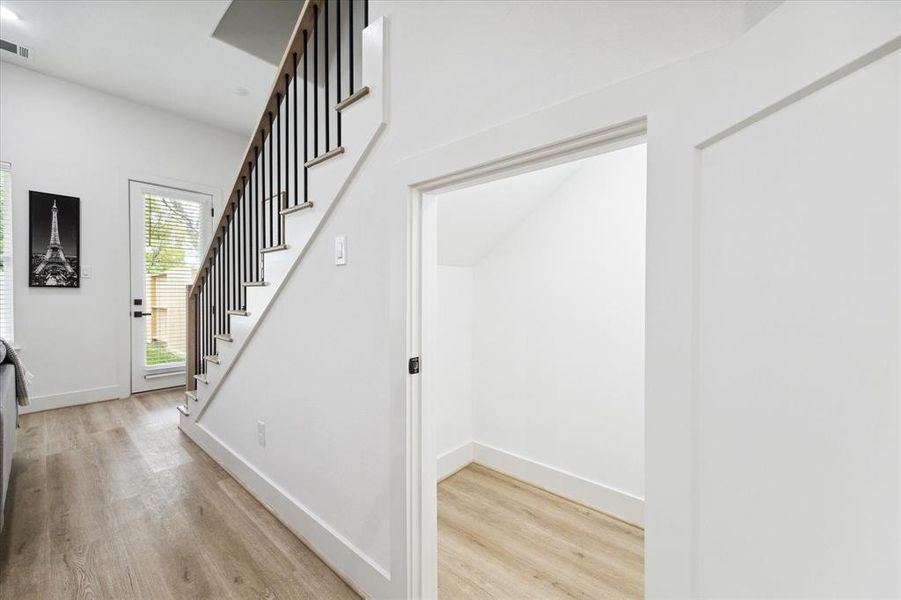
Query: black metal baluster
point(236, 247)
point(350, 47)
point(365, 13)
point(325, 50)
point(223, 310)
point(338, 62)
point(306, 120)
point(232, 238)
point(315, 81)
point(196, 333)
point(218, 299)
point(287, 145)
point(296, 165)
point(201, 299)
point(247, 222)
point(278, 169)
point(211, 314)
point(209, 311)
point(253, 214)
point(214, 295)
point(215, 328)
point(223, 306)
point(215, 272)
point(261, 205)
point(271, 187)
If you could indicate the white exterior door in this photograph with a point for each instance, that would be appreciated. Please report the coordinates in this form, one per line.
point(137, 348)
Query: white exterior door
point(170, 231)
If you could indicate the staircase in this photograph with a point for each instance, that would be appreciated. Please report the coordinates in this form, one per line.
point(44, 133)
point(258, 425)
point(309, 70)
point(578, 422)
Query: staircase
point(324, 113)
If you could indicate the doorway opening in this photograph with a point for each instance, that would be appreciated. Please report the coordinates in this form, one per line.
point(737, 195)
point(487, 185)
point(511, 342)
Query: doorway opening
point(169, 230)
point(533, 313)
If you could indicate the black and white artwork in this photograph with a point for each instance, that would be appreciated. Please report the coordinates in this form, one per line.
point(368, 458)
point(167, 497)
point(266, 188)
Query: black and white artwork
point(54, 225)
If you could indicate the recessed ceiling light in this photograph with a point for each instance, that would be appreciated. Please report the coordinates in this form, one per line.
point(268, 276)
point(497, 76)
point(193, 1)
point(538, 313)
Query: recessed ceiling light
point(240, 91)
point(8, 15)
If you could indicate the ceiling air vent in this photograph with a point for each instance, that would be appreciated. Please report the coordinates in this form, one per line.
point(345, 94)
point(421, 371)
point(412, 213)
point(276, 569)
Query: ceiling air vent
point(9, 47)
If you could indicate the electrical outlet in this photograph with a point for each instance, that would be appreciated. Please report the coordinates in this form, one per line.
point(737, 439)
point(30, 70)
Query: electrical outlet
point(261, 433)
point(86, 272)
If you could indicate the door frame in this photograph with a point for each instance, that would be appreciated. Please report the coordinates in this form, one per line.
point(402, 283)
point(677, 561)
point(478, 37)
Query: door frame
point(422, 249)
point(688, 106)
point(162, 184)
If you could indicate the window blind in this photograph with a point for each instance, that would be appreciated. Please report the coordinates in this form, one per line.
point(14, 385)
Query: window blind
point(6, 254)
point(172, 256)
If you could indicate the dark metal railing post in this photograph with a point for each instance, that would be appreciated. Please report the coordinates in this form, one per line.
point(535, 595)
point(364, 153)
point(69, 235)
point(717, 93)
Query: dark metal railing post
point(338, 62)
point(350, 47)
point(271, 187)
point(325, 49)
point(251, 223)
point(261, 204)
point(315, 82)
point(306, 120)
point(296, 164)
point(278, 171)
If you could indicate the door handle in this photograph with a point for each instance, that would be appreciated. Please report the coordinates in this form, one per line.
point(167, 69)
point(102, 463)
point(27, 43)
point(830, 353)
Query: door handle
point(138, 314)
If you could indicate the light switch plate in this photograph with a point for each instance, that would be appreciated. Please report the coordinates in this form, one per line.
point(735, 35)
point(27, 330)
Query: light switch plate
point(261, 433)
point(341, 250)
point(86, 272)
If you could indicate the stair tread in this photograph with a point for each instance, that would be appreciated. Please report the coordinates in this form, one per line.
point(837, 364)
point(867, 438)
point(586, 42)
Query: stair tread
point(353, 98)
point(224, 337)
point(294, 209)
point(275, 248)
point(324, 157)
point(183, 409)
point(201, 378)
point(191, 395)
point(254, 283)
point(213, 358)
point(239, 313)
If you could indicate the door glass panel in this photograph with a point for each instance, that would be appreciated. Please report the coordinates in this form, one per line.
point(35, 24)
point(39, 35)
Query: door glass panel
point(172, 247)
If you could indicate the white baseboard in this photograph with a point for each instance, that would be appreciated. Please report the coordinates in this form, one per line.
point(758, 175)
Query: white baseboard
point(52, 401)
point(453, 460)
point(362, 573)
point(590, 493)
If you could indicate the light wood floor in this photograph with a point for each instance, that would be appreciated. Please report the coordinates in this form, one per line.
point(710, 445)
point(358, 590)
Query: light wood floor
point(501, 538)
point(111, 500)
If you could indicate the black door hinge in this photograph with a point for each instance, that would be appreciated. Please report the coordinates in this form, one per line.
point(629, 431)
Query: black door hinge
point(413, 365)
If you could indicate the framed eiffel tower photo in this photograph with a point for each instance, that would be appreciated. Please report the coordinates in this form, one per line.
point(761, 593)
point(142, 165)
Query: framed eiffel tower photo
point(54, 240)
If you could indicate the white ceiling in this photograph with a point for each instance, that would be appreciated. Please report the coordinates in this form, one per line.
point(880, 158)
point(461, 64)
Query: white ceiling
point(154, 52)
point(472, 220)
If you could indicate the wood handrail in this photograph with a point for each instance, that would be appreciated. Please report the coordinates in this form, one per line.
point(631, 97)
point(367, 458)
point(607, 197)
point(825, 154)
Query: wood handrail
point(305, 22)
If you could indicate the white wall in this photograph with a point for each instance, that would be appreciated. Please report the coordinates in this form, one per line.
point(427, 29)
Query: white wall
point(453, 360)
point(349, 324)
point(339, 379)
point(556, 334)
point(559, 329)
point(67, 139)
point(799, 381)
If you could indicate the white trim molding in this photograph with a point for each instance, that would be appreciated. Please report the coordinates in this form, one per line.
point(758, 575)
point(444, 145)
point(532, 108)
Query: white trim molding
point(614, 502)
point(611, 501)
point(453, 460)
point(357, 569)
point(74, 398)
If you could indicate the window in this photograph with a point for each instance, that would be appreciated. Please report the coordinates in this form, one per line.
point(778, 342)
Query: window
point(6, 254)
point(172, 256)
